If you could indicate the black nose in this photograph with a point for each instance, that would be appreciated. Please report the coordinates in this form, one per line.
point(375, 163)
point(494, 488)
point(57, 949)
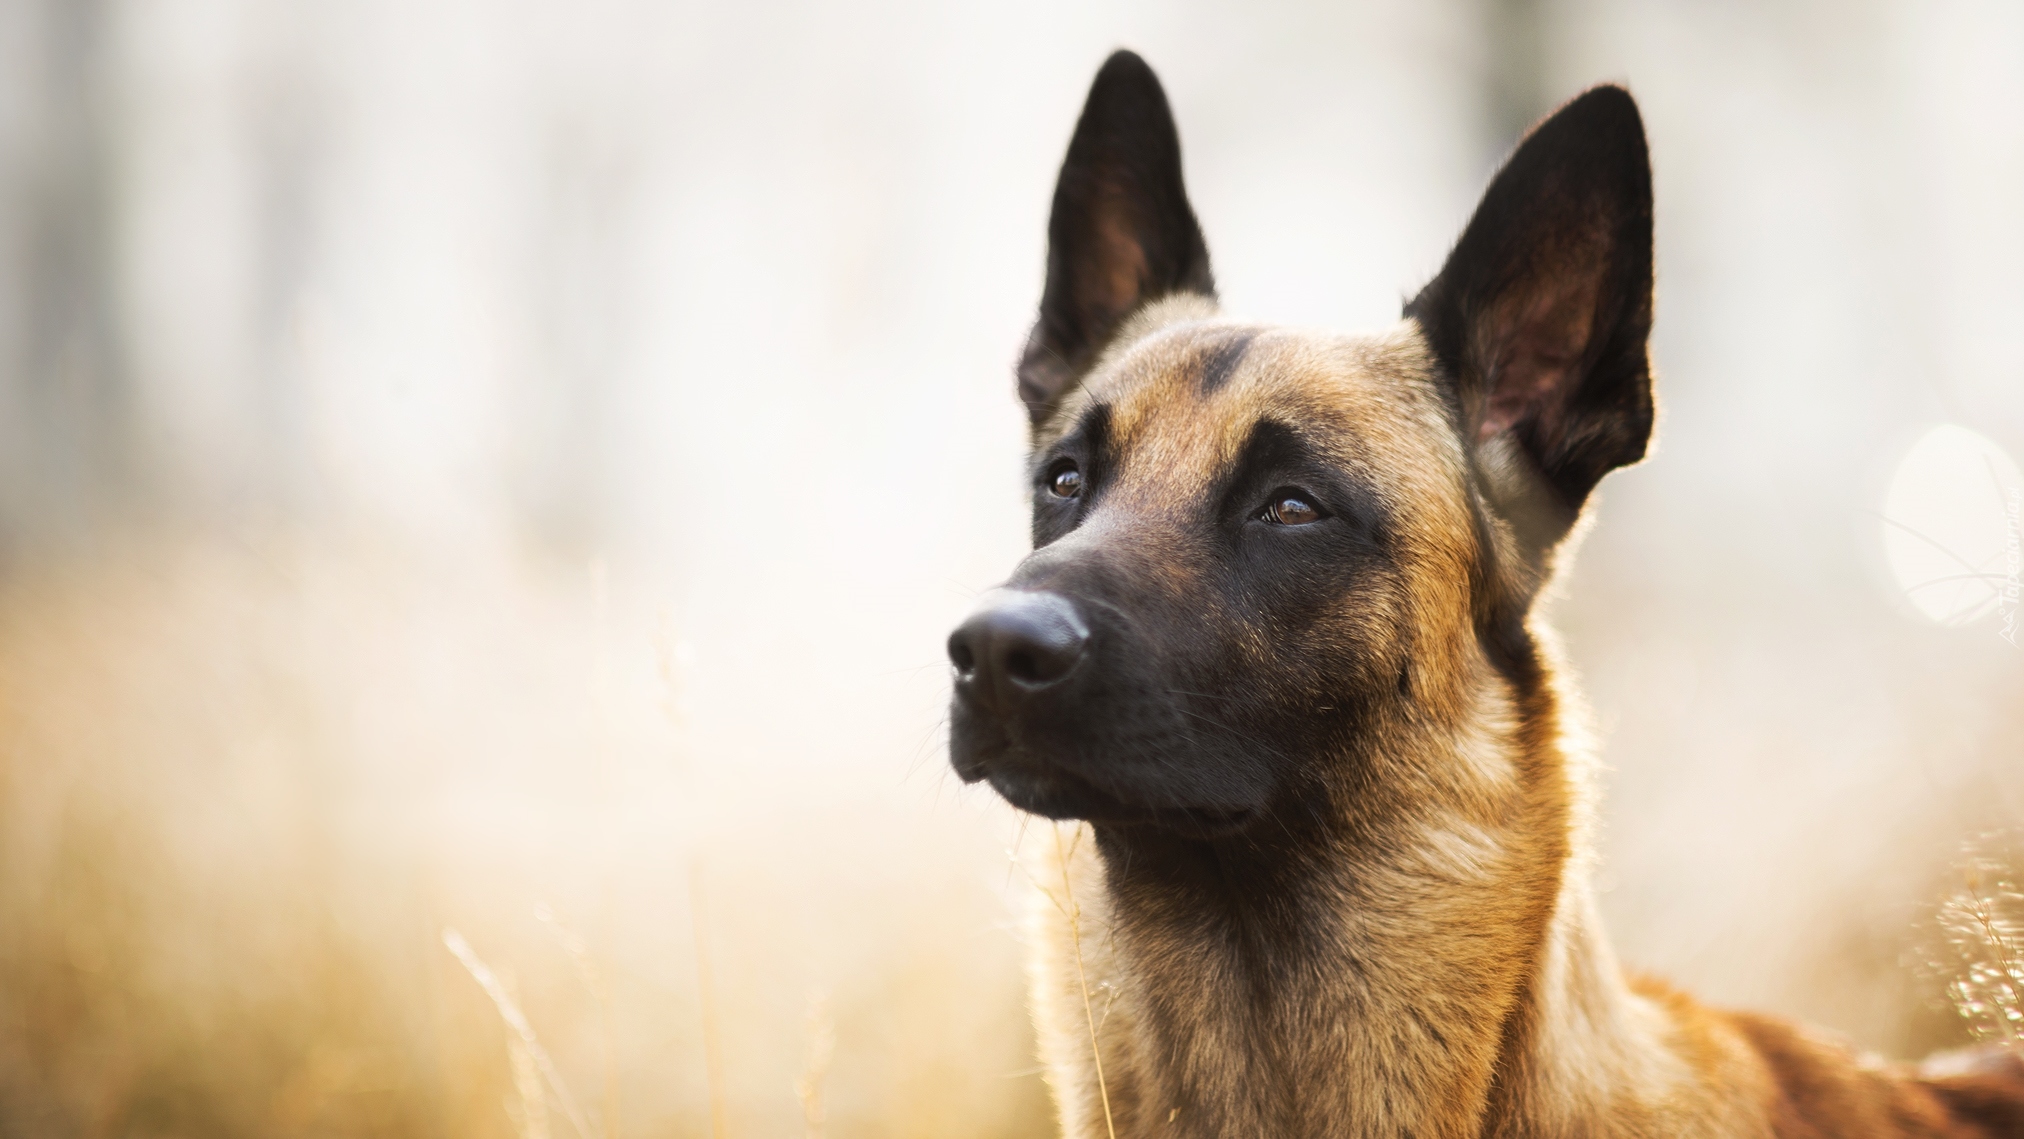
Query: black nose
point(1016, 643)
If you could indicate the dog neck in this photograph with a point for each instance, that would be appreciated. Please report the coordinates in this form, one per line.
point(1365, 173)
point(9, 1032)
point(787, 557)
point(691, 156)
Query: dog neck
point(1421, 958)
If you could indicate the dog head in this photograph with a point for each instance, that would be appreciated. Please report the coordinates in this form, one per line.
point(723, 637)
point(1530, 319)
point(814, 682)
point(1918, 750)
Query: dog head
point(1263, 555)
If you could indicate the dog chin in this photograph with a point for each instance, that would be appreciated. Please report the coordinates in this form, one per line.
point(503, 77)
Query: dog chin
point(1057, 794)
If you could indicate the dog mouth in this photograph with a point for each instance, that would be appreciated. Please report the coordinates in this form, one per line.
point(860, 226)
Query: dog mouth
point(1051, 791)
point(1037, 714)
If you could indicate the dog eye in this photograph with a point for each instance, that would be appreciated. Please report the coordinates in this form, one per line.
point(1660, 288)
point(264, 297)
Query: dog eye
point(1291, 507)
point(1065, 481)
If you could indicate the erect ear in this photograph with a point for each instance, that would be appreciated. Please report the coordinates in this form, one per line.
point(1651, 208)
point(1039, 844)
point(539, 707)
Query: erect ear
point(1541, 314)
point(1121, 233)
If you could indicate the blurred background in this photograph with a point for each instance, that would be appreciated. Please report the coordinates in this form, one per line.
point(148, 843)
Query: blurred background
point(483, 487)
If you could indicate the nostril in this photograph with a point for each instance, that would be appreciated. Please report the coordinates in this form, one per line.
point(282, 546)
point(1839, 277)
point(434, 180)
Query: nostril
point(1021, 665)
point(960, 654)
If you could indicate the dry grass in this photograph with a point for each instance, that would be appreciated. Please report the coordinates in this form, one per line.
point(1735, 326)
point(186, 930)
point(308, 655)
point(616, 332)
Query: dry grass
point(706, 989)
point(534, 1073)
point(1982, 924)
point(815, 1070)
point(1065, 902)
point(244, 792)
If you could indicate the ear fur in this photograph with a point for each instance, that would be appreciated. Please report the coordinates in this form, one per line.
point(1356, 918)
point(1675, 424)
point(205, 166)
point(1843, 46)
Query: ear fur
point(1121, 232)
point(1541, 315)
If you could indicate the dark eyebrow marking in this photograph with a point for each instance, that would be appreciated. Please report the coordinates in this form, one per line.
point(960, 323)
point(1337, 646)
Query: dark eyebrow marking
point(1274, 450)
point(1095, 431)
point(1269, 444)
point(1090, 436)
point(1220, 362)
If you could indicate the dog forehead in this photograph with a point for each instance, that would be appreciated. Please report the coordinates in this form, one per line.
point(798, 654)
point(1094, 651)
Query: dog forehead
point(1183, 400)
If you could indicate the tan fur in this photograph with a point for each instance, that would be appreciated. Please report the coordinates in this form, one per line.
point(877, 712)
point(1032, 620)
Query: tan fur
point(1461, 984)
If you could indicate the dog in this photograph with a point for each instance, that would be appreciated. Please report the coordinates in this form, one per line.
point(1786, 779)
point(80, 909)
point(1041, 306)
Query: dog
point(1275, 646)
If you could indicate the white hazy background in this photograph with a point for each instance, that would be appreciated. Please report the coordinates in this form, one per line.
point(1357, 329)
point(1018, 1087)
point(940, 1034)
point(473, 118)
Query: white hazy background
point(509, 468)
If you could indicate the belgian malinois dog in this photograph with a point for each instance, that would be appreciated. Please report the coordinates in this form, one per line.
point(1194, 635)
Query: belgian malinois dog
point(1275, 645)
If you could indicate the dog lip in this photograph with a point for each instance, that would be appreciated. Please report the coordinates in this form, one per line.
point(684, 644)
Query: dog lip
point(970, 763)
point(1048, 790)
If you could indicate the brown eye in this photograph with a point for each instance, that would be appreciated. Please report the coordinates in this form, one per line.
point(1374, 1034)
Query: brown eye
point(1066, 483)
point(1291, 508)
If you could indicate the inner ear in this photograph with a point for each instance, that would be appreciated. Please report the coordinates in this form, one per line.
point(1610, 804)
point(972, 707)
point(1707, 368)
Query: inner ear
point(1121, 232)
point(1112, 272)
point(1542, 313)
point(1537, 338)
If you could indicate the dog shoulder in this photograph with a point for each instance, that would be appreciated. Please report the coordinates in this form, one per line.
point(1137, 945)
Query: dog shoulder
point(1820, 1087)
